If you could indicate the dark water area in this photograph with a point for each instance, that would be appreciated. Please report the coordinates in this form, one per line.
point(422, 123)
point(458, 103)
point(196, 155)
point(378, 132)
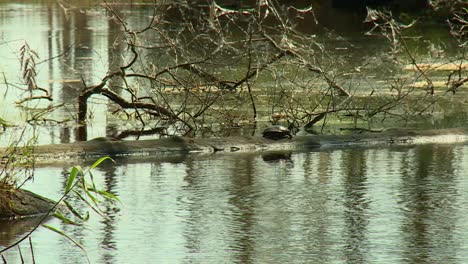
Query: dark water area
point(392, 205)
point(356, 205)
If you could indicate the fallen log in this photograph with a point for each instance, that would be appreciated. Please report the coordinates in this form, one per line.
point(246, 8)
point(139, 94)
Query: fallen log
point(18, 203)
point(176, 145)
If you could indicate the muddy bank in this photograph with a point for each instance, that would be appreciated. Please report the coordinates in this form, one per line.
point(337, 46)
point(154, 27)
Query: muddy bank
point(166, 147)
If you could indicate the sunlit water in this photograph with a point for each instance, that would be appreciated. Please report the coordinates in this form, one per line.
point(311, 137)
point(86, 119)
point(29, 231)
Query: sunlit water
point(394, 205)
point(391, 205)
point(82, 45)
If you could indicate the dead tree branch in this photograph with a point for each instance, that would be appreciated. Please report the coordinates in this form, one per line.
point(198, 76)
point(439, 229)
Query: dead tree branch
point(289, 52)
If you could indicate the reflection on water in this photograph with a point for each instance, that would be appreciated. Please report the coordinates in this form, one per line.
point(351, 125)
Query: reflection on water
point(80, 46)
point(74, 47)
point(396, 205)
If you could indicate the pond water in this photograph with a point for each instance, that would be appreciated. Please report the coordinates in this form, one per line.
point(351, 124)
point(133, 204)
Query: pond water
point(357, 205)
point(81, 44)
point(392, 205)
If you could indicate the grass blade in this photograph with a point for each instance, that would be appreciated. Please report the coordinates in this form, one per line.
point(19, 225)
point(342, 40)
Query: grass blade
point(99, 161)
point(94, 208)
point(68, 237)
point(64, 219)
point(75, 212)
point(109, 196)
point(75, 171)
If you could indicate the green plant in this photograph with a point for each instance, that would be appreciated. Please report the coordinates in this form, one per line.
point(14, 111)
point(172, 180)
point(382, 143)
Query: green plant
point(81, 185)
point(17, 162)
point(86, 191)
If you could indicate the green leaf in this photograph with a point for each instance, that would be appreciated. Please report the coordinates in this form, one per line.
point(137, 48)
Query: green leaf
point(75, 171)
point(75, 212)
point(91, 176)
point(109, 196)
point(65, 219)
point(68, 237)
point(86, 189)
point(92, 197)
point(99, 161)
point(95, 208)
point(106, 195)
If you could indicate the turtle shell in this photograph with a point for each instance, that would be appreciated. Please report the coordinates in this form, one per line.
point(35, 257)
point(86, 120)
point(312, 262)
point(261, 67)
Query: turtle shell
point(276, 132)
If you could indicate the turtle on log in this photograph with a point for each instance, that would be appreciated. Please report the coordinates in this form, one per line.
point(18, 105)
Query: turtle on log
point(276, 132)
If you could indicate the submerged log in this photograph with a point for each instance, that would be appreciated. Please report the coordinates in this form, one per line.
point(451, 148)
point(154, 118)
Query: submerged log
point(17, 203)
point(176, 145)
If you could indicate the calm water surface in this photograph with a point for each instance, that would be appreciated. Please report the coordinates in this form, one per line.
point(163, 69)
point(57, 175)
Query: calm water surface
point(392, 205)
point(388, 205)
point(83, 44)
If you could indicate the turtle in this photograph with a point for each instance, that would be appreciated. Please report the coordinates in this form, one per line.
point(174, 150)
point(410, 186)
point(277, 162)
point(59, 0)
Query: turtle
point(276, 132)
